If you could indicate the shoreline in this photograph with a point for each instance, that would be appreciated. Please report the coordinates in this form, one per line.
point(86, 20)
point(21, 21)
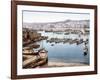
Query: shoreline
point(63, 64)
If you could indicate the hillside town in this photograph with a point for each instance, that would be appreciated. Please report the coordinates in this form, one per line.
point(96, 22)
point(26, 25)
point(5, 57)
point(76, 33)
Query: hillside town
point(59, 26)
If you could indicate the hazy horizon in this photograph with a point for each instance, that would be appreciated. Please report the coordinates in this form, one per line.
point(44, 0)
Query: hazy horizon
point(49, 17)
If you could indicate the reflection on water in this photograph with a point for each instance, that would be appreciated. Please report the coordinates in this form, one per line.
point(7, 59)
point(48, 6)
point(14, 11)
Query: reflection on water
point(64, 52)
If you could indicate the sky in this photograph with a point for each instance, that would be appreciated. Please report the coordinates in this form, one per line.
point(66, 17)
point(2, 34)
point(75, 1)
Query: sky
point(43, 16)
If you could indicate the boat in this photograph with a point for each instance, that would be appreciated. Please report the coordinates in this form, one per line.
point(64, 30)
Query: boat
point(36, 60)
point(85, 50)
point(43, 53)
point(27, 50)
point(52, 44)
point(67, 33)
point(79, 41)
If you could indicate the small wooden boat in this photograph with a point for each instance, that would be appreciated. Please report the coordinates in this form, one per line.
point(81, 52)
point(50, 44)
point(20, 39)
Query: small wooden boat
point(42, 53)
point(27, 50)
point(36, 60)
point(34, 46)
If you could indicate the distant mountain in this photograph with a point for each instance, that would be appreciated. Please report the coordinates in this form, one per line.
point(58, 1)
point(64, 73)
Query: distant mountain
point(58, 25)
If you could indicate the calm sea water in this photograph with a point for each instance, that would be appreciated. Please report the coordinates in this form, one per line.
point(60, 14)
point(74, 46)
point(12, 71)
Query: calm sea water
point(69, 53)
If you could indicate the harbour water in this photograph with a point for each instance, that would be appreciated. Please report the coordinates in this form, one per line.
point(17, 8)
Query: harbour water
point(64, 52)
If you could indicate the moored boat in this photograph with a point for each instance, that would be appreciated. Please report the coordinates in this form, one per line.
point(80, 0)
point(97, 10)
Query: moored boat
point(36, 60)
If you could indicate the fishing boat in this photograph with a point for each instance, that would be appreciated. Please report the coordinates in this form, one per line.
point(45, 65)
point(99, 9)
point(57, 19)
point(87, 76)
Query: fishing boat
point(43, 53)
point(52, 44)
point(33, 61)
point(42, 58)
point(27, 50)
point(79, 41)
point(66, 33)
point(85, 50)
